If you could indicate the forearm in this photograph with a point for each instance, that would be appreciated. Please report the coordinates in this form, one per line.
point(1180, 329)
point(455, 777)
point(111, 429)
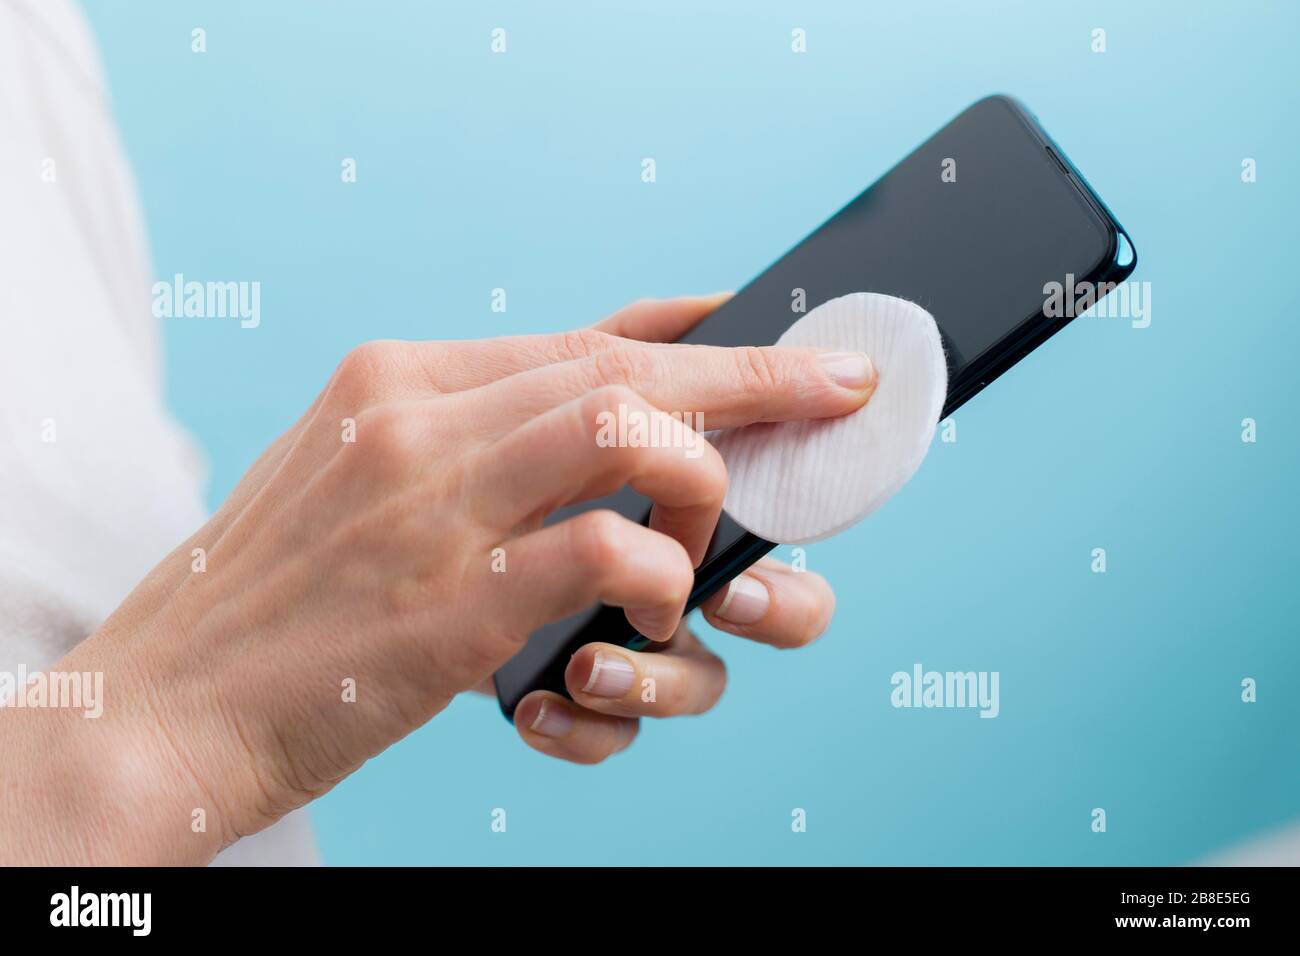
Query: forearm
point(102, 790)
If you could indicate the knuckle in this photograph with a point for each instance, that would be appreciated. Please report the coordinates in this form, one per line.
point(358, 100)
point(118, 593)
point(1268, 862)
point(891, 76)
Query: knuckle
point(714, 478)
point(366, 361)
point(759, 369)
point(607, 398)
point(680, 578)
point(623, 366)
point(596, 539)
point(673, 578)
point(364, 369)
point(388, 440)
point(433, 359)
point(583, 343)
point(600, 415)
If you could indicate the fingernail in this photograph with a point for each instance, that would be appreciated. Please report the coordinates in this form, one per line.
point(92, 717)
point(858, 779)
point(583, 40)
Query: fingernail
point(746, 601)
point(553, 719)
point(848, 369)
point(611, 676)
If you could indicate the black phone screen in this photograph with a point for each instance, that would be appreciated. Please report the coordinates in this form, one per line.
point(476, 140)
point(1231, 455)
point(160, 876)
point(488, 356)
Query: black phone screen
point(970, 226)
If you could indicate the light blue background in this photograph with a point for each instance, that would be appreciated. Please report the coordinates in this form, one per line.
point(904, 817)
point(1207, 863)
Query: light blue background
point(1119, 690)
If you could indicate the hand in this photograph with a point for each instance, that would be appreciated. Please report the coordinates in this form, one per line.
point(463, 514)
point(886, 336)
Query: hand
point(769, 603)
point(349, 591)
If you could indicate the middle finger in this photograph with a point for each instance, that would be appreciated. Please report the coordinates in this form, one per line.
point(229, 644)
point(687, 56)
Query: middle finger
point(566, 456)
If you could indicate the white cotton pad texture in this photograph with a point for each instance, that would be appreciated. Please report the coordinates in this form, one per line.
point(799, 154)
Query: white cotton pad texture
point(799, 482)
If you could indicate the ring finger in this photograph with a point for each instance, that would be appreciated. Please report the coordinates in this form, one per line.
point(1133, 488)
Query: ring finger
point(684, 678)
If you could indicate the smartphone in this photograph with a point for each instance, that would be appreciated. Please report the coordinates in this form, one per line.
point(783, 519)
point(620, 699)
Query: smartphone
point(973, 226)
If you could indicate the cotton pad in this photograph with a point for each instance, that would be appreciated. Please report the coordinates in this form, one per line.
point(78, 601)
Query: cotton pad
point(798, 482)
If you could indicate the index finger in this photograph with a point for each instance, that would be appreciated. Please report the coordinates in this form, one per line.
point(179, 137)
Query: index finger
point(729, 387)
point(458, 365)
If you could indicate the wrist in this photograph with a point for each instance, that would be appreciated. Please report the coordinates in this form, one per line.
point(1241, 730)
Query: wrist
point(100, 785)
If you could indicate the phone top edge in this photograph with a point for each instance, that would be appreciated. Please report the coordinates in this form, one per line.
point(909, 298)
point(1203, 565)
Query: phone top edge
point(1010, 101)
point(1033, 331)
point(1080, 182)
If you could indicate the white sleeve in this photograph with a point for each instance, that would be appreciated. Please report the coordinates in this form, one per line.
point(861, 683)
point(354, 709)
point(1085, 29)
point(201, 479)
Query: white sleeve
point(97, 482)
